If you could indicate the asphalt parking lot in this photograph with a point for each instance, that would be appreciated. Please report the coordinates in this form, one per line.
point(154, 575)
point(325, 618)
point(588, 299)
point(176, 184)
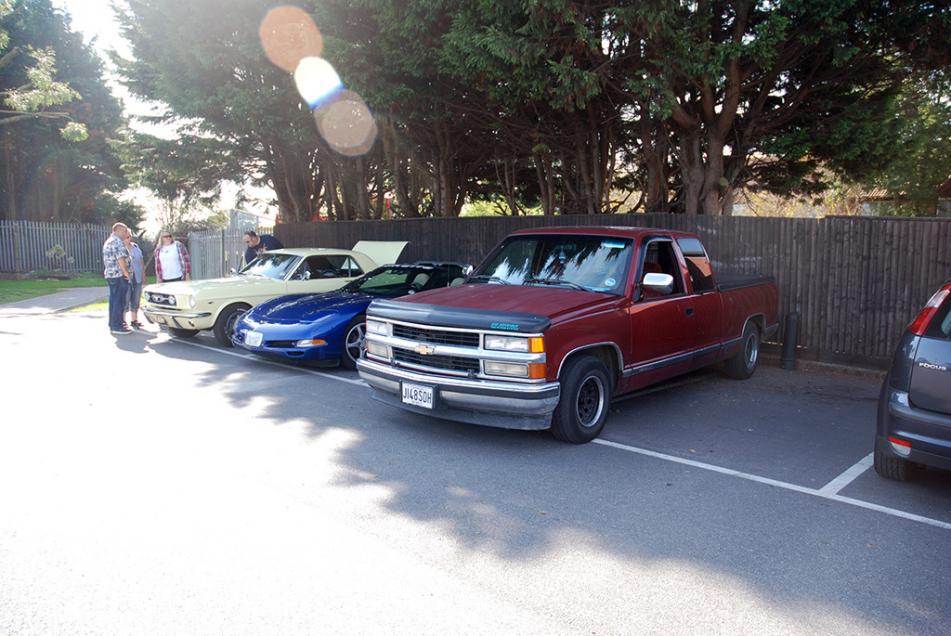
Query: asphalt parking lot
point(164, 486)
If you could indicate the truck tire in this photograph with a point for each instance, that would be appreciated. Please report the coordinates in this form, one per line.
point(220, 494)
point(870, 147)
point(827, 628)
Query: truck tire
point(224, 326)
point(743, 364)
point(586, 387)
point(178, 332)
point(353, 342)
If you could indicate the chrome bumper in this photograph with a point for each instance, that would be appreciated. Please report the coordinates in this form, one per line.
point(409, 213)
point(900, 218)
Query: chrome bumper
point(180, 319)
point(484, 402)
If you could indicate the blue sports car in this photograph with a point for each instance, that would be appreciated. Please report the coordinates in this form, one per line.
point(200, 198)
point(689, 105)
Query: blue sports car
point(329, 327)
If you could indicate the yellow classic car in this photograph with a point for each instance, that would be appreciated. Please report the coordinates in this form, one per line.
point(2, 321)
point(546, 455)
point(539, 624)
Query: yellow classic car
point(187, 307)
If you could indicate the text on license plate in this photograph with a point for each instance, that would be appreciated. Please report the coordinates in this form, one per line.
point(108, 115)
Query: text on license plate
point(254, 338)
point(418, 395)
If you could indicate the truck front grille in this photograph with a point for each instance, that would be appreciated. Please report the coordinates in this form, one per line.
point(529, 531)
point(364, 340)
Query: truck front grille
point(440, 362)
point(436, 336)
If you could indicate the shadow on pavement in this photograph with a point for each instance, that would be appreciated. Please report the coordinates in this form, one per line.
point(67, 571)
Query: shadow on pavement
point(521, 496)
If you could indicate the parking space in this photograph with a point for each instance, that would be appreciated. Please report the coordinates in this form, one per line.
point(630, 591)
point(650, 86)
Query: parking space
point(214, 477)
point(812, 430)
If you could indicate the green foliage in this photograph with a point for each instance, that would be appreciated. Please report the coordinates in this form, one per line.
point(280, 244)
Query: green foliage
point(60, 114)
point(921, 157)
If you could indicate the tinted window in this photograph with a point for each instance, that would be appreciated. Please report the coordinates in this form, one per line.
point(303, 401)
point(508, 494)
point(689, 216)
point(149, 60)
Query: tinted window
point(698, 265)
point(594, 263)
point(399, 281)
point(659, 258)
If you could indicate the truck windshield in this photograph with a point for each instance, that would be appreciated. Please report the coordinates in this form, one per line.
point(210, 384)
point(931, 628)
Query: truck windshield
point(272, 265)
point(590, 263)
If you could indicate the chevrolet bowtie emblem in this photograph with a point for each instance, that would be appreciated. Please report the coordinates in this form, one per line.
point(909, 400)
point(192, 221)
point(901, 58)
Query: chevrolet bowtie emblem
point(424, 350)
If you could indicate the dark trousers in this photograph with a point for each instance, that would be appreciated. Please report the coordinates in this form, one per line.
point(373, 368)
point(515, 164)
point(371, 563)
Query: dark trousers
point(118, 293)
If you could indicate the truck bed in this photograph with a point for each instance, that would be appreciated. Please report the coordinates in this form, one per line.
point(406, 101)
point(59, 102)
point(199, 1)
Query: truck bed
point(727, 280)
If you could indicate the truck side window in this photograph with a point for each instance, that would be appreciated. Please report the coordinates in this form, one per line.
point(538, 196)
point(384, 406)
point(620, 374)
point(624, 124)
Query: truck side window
point(698, 265)
point(659, 258)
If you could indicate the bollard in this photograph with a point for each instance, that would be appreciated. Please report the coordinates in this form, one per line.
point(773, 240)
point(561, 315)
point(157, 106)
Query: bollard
point(788, 359)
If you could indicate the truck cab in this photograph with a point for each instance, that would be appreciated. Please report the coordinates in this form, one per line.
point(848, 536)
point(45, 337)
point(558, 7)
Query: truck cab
point(555, 322)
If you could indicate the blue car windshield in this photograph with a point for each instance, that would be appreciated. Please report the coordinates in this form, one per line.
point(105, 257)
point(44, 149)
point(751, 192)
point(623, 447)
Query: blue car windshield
point(584, 263)
point(399, 281)
point(272, 265)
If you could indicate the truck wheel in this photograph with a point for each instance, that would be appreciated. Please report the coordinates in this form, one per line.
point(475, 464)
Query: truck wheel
point(353, 342)
point(743, 364)
point(585, 398)
point(182, 333)
point(227, 319)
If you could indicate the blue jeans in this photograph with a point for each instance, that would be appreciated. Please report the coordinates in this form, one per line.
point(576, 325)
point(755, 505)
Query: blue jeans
point(135, 295)
point(118, 294)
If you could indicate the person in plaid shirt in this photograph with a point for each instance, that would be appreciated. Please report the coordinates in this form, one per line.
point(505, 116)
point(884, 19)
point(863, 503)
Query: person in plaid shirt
point(171, 260)
point(115, 265)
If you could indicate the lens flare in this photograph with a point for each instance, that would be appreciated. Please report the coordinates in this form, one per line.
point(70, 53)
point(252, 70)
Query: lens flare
point(288, 35)
point(317, 81)
point(347, 125)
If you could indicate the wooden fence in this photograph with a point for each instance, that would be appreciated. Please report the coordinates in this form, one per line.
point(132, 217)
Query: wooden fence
point(25, 246)
point(856, 281)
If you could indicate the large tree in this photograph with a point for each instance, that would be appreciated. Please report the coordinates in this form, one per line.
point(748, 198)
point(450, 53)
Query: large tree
point(56, 118)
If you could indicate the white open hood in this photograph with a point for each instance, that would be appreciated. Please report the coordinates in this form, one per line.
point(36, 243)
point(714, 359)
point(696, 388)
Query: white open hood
point(382, 252)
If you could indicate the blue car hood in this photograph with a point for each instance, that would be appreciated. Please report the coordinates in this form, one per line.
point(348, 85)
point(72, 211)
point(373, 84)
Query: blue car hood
point(293, 310)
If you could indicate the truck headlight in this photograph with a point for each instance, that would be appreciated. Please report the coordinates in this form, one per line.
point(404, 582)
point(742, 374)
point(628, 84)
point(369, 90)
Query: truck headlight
point(514, 343)
point(377, 349)
point(378, 328)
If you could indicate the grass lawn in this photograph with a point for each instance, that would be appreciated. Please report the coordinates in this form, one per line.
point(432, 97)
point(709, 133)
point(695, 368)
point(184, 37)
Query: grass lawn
point(14, 290)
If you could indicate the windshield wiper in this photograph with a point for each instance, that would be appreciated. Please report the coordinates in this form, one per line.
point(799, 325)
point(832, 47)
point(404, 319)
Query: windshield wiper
point(556, 282)
point(490, 279)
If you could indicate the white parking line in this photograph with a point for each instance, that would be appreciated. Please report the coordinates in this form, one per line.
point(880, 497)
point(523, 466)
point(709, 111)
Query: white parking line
point(846, 478)
point(829, 491)
point(781, 484)
point(253, 358)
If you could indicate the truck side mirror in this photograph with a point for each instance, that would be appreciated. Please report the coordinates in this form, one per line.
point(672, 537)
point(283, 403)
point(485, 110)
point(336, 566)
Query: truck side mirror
point(659, 283)
point(467, 269)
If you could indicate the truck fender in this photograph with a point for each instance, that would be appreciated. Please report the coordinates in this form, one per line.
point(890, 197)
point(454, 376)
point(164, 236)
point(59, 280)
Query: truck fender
point(616, 365)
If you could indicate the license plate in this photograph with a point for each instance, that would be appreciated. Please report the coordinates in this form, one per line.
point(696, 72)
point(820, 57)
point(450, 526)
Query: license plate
point(254, 338)
point(418, 395)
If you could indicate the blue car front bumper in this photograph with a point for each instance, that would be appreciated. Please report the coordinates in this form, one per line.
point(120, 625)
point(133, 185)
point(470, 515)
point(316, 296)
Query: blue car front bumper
point(283, 344)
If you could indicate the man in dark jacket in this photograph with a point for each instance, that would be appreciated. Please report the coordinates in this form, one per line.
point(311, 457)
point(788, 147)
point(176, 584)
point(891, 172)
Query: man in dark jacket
point(256, 244)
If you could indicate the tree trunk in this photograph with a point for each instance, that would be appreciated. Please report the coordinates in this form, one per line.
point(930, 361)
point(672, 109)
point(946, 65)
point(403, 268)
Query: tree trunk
point(691, 171)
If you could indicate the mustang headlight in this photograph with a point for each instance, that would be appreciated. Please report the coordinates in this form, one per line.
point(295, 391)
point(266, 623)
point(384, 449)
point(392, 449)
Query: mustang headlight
point(515, 343)
point(378, 328)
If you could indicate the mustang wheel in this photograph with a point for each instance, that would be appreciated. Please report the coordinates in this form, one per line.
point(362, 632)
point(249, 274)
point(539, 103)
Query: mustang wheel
point(585, 396)
point(353, 342)
point(227, 319)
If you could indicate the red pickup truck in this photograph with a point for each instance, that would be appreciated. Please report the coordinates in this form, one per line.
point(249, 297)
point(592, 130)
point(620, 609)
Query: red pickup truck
point(556, 322)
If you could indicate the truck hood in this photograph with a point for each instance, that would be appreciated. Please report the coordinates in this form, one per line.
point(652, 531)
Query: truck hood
point(215, 287)
point(522, 308)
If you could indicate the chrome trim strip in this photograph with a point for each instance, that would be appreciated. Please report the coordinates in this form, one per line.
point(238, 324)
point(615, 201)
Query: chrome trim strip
point(487, 385)
point(674, 359)
point(460, 352)
point(417, 325)
point(174, 314)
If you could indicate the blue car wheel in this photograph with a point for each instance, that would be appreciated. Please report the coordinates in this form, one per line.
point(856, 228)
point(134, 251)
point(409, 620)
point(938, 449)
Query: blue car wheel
point(353, 342)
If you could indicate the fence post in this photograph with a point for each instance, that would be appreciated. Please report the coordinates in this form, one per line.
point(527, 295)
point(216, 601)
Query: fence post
point(17, 261)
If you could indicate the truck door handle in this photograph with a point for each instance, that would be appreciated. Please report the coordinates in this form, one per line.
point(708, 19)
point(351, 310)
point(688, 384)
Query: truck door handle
point(689, 311)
